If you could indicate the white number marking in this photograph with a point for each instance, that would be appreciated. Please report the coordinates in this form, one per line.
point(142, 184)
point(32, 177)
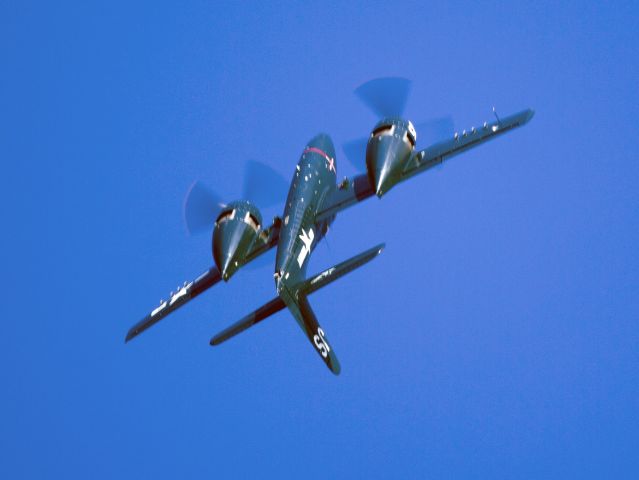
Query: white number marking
point(320, 343)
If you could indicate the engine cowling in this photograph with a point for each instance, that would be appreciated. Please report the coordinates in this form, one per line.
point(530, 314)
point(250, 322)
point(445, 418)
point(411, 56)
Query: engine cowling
point(236, 230)
point(389, 147)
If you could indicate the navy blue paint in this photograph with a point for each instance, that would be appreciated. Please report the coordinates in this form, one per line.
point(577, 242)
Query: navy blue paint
point(495, 337)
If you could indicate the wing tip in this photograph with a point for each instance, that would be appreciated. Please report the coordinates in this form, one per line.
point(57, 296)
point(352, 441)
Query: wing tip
point(530, 113)
point(130, 334)
point(336, 369)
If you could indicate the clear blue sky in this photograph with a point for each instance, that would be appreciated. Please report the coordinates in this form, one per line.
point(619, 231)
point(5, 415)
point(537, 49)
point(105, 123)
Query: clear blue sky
point(497, 335)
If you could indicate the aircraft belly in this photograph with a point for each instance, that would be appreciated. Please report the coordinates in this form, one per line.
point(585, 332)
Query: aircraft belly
point(300, 234)
point(299, 244)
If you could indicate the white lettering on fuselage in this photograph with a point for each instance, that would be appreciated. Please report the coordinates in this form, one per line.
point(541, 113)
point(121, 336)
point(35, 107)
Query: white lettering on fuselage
point(307, 240)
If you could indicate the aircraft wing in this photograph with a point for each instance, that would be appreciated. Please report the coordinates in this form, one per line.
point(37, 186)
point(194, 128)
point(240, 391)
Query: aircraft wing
point(350, 192)
point(437, 153)
point(190, 290)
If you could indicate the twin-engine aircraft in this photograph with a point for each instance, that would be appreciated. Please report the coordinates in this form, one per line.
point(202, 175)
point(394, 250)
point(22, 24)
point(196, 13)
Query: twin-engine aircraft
point(314, 199)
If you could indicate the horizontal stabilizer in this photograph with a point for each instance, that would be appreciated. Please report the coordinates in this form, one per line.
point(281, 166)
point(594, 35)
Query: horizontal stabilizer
point(331, 274)
point(251, 319)
point(301, 309)
point(305, 316)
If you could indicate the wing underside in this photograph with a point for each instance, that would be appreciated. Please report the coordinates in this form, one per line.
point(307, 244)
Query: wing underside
point(359, 188)
point(437, 153)
point(187, 292)
point(190, 290)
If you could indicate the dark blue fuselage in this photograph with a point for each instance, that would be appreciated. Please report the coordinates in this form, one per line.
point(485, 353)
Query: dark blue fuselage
point(313, 182)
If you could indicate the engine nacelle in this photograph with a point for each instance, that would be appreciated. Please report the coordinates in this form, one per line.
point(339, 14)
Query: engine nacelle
point(390, 145)
point(236, 229)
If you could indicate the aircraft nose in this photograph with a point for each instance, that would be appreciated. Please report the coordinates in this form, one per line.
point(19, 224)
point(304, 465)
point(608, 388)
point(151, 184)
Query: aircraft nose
point(383, 183)
point(324, 143)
